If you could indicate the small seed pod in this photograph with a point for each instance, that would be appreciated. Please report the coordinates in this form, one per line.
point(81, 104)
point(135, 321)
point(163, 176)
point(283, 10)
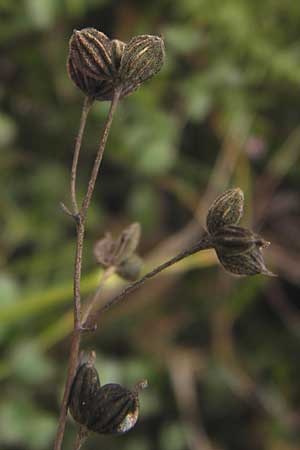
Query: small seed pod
point(90, 52)
point(130, 269)
point(226, 210)
point(108, 409)
point(114, 410)
point(143, 57)
point(109, 252)
point(84, 389)
point(93, 63)
point(249, 263)
point(234, 240)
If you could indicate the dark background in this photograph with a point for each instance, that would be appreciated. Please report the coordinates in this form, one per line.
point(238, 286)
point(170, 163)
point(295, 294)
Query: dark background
point(221, 353)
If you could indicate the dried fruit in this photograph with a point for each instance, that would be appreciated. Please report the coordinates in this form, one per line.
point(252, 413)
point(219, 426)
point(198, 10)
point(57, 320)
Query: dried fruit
point(110, 409)
point(143, 57)
point(227, 209)
point(85, 387)
point(120, 253)
point(238, 249)
point(93, 63)
point(248, 263)
point(114, 410)
point(99, 65)
point(234, 240)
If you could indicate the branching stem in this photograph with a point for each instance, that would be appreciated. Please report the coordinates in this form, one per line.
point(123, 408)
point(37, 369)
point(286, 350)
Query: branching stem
point(203, 244)
point(80, 216)
point(85, 111)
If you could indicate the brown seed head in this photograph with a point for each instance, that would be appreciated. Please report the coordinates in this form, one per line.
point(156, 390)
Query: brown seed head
point(114, 410)
point(226, 210)
point(143, 57)
point(99, 65)
point(85, 387)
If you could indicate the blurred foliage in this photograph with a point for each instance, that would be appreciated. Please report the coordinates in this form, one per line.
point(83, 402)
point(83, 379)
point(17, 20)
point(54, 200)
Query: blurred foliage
point(221, 354)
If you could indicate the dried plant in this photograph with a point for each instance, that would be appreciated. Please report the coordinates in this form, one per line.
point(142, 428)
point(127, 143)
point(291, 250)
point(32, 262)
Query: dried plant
point(108, 70)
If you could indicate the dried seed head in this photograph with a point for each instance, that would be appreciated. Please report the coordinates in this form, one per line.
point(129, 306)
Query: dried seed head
point(239, 251)
point(104, 251)
point(226, 210)
point(99, 65)
point(93, 63)
point(114, 410)
point(85, 387)
point(109, 252)
point(108, 409)
point(127, 243)
point(130, 268)
point(90, 50)
point(234, 240)
point(248, 263)
point(143, 57)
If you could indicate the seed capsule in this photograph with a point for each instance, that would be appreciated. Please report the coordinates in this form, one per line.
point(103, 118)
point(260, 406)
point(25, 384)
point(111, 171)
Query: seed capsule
point(108, 409)
point(109, 252)
point(248, 263)
point(93, 63)
point(234, 240)
point(143, 57)
point(99, 65)
point(84, 389)
point(114, 410)
point(226, 210)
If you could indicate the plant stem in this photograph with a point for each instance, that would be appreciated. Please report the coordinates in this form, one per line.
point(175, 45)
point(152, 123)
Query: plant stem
point(80, 228)
point(88, 101)
point(91, 304)
point(94, 174)
point(203, 244)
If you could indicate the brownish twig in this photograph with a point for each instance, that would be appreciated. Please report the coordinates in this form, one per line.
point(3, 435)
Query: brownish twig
point(88, 101)
point(203, 244)
point(80, 228)
point(93, 301)
point(94, 174)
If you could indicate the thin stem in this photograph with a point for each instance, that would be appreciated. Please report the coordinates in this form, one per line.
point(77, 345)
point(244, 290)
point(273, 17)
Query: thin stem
point(94, 174)
point(203, 244)
point(85, 110)
point(80, 228)
point(73, 360)
point(91, 304)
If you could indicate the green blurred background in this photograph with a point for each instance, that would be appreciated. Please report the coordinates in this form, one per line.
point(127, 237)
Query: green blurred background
point(221, 353)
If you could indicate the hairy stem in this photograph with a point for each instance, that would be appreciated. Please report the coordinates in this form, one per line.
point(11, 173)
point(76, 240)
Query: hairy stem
point(80, 228)
point(85, 110)
point(203, 244)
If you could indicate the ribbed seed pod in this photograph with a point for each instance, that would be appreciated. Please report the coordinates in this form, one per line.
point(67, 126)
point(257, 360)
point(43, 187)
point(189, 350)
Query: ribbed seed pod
point(226, 210)
point(143, 57)
point(94, 62)
point(90, 50)
point(234, 240)
point(248, 263)
point(84, 390)
point(114, 410)
point(99, 65)
point(107, 409)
